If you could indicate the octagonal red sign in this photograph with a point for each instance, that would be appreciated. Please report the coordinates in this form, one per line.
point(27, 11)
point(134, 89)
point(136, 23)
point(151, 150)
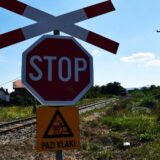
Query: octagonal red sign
point(57, 70)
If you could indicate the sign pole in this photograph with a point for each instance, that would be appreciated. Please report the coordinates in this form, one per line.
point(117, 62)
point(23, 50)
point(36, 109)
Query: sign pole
point(59, 155)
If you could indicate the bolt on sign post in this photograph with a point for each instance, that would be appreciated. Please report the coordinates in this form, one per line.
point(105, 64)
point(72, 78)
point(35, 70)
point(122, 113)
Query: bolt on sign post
point(59, 130)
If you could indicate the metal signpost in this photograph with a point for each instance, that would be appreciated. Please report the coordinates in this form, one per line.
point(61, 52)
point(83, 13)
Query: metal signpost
point(57, 70)
point(59, 155)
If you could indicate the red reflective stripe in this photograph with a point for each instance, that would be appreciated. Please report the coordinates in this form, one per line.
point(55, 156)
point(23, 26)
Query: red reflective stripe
point(102, 42)
point(10, 38)
point(99, 9)
point(14, 6)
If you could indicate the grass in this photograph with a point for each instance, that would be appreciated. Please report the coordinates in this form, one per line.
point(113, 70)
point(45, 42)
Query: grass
point(89, 100)
point(10, 113)
point(145, 127)
point(130, 122)
point(95, 151)
point(148, 151)
point(141, 129)
point(16, 112)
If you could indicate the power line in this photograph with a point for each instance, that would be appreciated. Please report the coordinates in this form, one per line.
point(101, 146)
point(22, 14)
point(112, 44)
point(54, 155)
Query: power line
point(9, 81)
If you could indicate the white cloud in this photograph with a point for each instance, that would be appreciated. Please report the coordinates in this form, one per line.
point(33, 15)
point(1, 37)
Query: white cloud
point(147, 58)
point(139, 57)
point(155, 62)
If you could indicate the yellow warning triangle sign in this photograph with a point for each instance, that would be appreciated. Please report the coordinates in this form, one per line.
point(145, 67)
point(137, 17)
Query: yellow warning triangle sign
point(58, 127)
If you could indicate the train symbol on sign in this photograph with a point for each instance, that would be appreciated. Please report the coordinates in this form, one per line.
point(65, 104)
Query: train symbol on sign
point(58, 127)
point(64, 23)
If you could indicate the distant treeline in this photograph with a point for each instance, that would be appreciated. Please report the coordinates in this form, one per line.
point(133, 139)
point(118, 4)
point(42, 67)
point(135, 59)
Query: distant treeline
point(152, 92)
point(24, 98)
point(114, 88)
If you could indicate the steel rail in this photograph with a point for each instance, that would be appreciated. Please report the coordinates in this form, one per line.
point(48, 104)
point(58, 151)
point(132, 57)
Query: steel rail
point(16, 121)
point(18, 124)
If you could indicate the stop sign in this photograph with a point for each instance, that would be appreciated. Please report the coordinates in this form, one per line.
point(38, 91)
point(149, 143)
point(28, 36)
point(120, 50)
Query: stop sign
point(57, 70)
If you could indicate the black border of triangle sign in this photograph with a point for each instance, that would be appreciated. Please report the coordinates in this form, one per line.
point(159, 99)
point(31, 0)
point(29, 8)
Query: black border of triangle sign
point(46, 135)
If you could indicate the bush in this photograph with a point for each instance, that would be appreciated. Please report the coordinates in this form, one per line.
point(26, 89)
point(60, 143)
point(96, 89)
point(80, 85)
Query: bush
point(118, 108)
point(145, 137)
point(158, 117)
point(148, 102)
point(139, 124)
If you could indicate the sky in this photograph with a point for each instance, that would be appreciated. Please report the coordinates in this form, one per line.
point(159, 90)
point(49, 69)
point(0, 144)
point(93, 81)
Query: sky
point(133, 24)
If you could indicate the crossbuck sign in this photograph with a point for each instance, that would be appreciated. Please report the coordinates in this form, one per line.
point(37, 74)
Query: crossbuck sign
point(65, 23)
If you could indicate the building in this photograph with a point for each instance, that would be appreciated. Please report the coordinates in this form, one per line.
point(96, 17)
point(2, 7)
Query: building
point(19, 88)
point(21, 96)
point(4, 95)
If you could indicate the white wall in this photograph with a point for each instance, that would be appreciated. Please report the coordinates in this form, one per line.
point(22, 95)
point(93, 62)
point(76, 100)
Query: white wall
point(4, 97)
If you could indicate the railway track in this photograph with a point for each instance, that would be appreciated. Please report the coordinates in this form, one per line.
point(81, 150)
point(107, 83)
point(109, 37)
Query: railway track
point(17, 125)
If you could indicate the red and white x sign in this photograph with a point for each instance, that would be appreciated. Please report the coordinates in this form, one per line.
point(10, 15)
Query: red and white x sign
point(65, 23)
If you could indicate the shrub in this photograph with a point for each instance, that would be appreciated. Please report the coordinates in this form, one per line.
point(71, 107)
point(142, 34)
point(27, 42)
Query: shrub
point(148, 102)
point(145, 137)
point(139, 124)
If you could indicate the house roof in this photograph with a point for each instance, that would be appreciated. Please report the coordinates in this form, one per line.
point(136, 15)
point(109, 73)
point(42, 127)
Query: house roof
point(17, 84)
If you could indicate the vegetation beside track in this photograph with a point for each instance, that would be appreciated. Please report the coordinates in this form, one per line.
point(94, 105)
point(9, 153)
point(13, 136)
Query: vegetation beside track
point(15, 112)
point(134, 119)
point(18, 107)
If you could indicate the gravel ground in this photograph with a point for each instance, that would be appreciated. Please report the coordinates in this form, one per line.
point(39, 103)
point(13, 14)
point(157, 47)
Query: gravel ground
point(15, 136)
point(23, 150)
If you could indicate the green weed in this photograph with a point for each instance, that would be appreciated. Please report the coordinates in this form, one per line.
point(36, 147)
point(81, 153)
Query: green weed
point(10, 113)
point(138, 124)
point(148, 151)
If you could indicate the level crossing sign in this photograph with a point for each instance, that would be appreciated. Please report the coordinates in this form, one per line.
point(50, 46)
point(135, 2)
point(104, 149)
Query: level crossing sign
point(59, 130)
point(65, 23)
point(57, 70)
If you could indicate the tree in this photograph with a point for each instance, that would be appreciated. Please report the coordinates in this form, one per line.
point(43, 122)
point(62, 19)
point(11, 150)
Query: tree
point(115, 88)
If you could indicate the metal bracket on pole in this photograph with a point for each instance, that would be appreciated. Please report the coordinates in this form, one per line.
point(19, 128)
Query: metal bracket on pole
point(56, 32)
